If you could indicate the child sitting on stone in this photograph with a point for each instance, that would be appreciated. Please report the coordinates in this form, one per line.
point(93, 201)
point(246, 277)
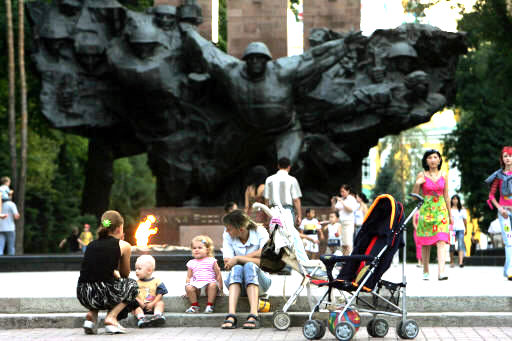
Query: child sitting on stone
point(151, 292)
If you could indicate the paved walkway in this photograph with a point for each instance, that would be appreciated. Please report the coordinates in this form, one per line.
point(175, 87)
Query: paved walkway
point(265, 334)
point(467, 281)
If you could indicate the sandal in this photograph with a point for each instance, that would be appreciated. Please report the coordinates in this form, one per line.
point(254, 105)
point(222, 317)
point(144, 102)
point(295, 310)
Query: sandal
point(252, 324)
point(115, 329)
point(233, 322)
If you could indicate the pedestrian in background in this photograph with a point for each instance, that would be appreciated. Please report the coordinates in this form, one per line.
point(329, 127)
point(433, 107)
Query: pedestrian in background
point(434, 219)
point(254, 193)
point(283, 189)
point(502, 180)
point(8, 228)
point(360, 212)
point(346, 204)
point(460, 223)
point(85, 237)
point(495, 233)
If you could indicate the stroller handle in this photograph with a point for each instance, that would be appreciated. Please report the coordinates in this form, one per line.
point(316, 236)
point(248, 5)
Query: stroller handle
point(417, 196)
point(264, 208)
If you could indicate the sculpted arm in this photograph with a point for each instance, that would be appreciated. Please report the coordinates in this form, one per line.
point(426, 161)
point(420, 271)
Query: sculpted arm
point(320, 58)
point(215, 60)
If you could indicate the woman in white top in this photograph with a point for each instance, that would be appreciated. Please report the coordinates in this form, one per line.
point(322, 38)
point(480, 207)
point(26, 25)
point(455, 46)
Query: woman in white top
point(459, 219)
point(361, 210)
point(346, 205)
point(241, 250)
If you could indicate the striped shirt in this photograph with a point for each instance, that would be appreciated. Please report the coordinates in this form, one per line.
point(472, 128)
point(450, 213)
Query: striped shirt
point(202, 269)
point(281, 188)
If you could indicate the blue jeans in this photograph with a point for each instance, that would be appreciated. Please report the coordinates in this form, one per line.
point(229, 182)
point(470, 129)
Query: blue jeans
point(459, 237)
point(7, 241)
point(246, 274)
point(506, 233)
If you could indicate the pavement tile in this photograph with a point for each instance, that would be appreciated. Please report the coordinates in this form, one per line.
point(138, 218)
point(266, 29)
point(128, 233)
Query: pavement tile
point(264, 334)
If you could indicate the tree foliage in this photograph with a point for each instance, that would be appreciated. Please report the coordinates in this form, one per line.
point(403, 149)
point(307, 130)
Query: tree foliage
point(56, 163)
point(397, 175)
point(484, 77)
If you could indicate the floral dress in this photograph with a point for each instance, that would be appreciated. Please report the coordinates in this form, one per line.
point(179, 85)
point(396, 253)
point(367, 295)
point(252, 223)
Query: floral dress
point(433, 223)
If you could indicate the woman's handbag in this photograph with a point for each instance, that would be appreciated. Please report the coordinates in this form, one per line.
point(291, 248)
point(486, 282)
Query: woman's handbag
point(269, 261)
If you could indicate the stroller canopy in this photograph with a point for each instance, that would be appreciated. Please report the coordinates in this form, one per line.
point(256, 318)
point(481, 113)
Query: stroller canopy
point(381, 228)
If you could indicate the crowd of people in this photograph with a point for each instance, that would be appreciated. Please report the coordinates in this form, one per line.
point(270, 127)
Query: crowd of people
point(441, 222)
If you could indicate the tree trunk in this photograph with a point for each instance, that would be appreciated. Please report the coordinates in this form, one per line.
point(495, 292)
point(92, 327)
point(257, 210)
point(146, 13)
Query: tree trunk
point(12, 96)
point(98, 177)
point(24, 127)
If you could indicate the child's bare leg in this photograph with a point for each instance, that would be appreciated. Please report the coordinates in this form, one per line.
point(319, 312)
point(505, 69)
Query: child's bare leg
point(92, 316)
point(192, 293)
point(159, 308)
point(138, 311)
point(345, 249)
point(212, 292)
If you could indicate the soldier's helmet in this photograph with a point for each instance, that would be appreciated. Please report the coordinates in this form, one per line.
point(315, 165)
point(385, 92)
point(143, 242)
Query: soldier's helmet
point(164, 10)
point(143, 34)
point(54, 30)
point(257, 47)
point(402, 49)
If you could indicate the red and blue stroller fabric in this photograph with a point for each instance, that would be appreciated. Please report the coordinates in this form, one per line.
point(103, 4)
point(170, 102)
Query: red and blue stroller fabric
point(381, 228)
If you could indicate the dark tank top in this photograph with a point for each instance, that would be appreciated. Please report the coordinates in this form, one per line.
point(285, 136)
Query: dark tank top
point(101, 258)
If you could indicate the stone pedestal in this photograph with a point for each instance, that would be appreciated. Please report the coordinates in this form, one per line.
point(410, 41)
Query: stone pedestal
point(257, 20)
point(178, 225)
point(205, 29)
point(338, 15)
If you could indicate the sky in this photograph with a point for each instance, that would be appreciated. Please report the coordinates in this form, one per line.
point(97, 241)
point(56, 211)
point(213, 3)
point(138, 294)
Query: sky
point(385, 14)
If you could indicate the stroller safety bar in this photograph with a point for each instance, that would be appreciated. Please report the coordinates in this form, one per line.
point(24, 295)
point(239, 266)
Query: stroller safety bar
point(262, 207)
point(332, 259)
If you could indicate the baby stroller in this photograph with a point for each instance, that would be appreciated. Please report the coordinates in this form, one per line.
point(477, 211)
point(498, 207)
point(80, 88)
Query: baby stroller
point(285, 247)
point(381, 235)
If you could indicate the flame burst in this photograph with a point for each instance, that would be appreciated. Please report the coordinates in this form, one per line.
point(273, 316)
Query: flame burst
point(145, 230)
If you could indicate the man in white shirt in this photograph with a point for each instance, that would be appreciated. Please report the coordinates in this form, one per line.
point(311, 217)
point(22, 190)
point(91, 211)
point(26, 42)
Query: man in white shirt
point(282, 188)
point(8, 228)
point(495, 233)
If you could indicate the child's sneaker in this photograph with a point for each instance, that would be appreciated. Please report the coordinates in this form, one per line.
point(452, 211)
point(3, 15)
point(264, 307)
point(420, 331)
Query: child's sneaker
point(142, 322)
point(192, 309)
point(158, 320)
point(208, 309)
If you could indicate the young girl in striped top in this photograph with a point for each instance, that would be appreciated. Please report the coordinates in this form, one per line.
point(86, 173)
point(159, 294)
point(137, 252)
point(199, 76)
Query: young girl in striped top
point(203, 272)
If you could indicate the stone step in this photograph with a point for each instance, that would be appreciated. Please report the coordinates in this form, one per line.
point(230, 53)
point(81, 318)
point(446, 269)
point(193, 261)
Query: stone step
point(178, 304)
point(75, 320)
point(485, 260)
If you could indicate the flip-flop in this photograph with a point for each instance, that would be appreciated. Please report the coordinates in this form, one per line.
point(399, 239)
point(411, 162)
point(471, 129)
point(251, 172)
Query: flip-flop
point(233, 322)
point(90, 327)
point(115, 329)
point(253, 324)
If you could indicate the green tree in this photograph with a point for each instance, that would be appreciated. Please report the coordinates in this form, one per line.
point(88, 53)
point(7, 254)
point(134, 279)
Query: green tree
point(484, 77)
point(134, 188)
point(402, 164)
point(223, 26)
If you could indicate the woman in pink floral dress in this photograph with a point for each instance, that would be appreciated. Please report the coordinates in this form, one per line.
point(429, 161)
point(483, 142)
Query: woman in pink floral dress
point(434, 219)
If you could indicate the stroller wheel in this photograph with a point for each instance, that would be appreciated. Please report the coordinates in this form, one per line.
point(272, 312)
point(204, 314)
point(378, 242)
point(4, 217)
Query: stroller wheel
point(313, 330)
point(369, 328)
point(344, 331)
point(408, 329)
point(281, 320)
point(380, 327)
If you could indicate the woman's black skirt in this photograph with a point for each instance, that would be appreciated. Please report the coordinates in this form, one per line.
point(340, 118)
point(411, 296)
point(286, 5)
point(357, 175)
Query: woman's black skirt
point(106, 295)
